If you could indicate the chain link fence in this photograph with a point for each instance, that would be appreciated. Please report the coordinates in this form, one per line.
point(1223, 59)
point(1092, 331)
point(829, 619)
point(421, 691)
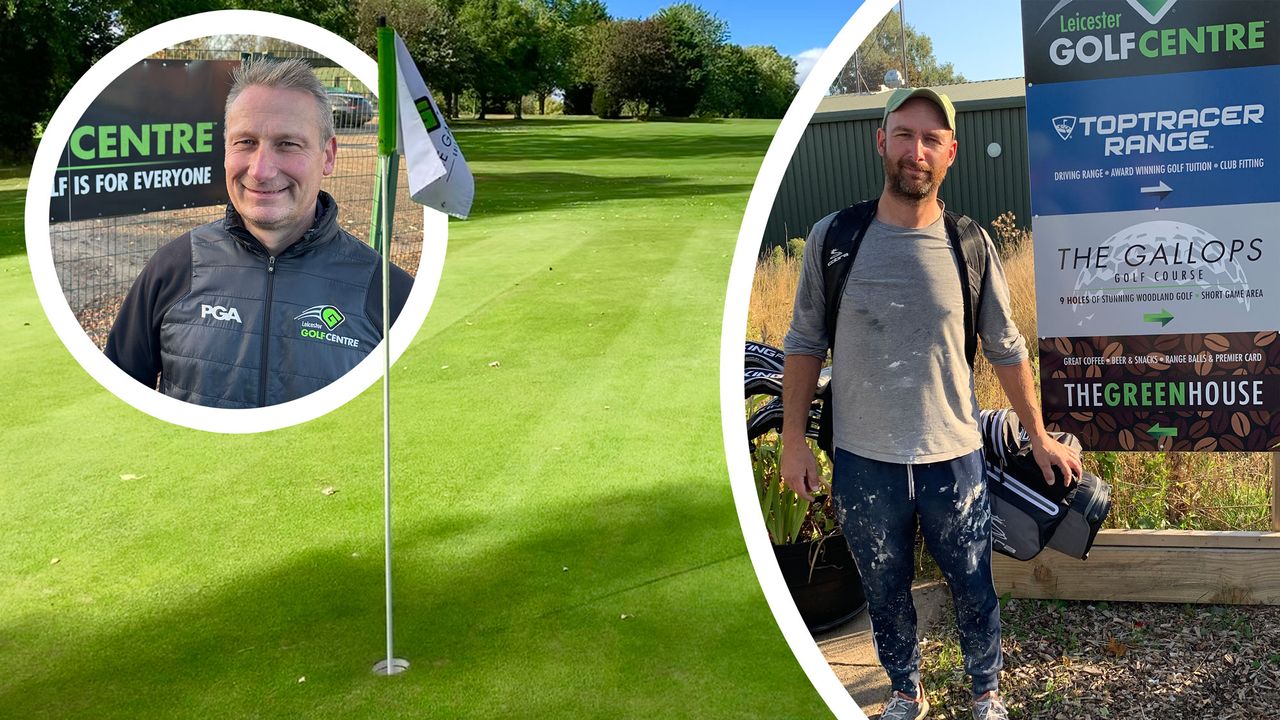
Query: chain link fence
point(97, 260)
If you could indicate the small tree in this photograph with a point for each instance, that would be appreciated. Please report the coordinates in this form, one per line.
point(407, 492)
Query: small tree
point(504, 34)
point(562, 30)
point(777, 86)
point(696, 39)
point(882, 51)
point(635, 64)
point(442, 51)
point(586, 66)
point(733, 80)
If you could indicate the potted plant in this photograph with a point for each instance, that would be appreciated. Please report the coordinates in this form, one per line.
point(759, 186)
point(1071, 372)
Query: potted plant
point(811, 552)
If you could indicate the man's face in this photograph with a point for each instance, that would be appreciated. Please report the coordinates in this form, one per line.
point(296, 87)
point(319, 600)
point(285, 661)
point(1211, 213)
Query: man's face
point(916, 147)
point(275, 158)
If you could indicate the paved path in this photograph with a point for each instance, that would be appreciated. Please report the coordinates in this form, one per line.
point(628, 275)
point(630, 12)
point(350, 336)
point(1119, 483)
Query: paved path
point(852, 656)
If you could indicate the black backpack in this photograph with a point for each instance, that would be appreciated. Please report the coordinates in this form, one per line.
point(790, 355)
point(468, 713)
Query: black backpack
point(840, 247)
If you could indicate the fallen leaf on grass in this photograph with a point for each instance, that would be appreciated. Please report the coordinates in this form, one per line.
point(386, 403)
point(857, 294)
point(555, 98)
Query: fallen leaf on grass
point(129, 476)
point(495, 363)
point(624, 616)
point(55, 561)
point(302, 679)
point(329, 490)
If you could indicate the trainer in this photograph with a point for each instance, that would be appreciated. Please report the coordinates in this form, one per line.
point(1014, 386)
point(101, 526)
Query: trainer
point(907, 445)
point(273, 301)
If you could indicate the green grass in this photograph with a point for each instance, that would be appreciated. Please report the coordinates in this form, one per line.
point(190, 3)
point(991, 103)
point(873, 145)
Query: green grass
point(538, 503)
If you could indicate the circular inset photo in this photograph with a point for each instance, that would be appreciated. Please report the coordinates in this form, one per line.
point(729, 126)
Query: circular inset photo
point(210, 249)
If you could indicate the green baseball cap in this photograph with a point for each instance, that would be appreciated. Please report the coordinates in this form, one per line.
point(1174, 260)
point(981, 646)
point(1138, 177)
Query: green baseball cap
point(902, 95)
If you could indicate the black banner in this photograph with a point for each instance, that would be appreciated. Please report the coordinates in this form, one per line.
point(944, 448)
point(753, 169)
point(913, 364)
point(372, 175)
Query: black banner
point(1068, 40)
point(1203, 392)
point(151, 141)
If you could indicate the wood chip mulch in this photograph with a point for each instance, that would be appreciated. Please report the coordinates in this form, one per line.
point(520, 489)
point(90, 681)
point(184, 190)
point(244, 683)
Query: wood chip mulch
point(1079, 661)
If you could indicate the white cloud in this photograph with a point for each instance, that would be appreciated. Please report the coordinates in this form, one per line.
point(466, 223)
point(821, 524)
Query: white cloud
point(805, 61)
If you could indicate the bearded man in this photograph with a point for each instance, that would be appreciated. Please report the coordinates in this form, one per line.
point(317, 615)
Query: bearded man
point(905, 431)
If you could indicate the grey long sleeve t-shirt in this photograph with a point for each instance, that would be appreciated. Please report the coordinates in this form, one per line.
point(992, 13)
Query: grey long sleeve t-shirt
point(902, 388)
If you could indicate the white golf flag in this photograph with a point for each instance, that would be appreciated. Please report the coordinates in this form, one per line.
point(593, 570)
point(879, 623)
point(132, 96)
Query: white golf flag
point(438, 174)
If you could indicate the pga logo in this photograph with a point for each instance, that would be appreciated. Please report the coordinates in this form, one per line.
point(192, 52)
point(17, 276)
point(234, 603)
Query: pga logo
point(219, 313)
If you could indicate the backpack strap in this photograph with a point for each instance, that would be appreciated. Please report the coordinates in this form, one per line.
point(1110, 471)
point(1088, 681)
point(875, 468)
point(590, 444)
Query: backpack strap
point(839, 247)
point(970, 249)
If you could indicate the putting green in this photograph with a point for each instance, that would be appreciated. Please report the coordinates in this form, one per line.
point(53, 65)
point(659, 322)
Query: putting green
point(566, 544)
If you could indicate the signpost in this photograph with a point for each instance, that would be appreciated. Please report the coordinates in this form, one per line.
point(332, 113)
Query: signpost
point(1154, 142)
point(151, 141)
point(1153, 129)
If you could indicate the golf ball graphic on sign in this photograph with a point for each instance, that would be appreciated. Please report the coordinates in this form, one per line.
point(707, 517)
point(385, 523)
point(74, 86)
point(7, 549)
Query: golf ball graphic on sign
point(1192, 270)
point(1162, 255)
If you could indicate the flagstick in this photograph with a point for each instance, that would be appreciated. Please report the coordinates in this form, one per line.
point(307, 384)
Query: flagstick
point(387, 169)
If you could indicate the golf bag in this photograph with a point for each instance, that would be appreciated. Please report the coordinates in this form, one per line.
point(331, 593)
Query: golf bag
point(763, 376)
point(1028, 514)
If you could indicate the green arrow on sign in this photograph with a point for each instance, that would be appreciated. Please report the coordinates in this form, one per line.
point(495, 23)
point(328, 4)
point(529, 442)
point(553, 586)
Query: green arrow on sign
point(1157, 431)
point(1163, 317)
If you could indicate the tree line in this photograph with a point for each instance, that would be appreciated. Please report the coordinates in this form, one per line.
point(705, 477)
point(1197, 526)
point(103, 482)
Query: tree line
point(676, 63)
point(490, 55)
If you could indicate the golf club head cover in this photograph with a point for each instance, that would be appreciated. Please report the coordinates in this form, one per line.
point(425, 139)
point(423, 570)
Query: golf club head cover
point(769, 417)
point(762, 382)
point(760, 356)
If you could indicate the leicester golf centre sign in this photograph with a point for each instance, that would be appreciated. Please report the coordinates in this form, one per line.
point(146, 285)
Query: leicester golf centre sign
point(151, 141)
point(1154, 136)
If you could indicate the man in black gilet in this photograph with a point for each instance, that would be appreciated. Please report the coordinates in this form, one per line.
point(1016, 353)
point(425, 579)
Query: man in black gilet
point(905, 430)
point(274, 300)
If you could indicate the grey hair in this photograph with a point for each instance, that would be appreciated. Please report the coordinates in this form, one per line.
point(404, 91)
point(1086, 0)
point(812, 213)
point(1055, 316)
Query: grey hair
point(292, 74)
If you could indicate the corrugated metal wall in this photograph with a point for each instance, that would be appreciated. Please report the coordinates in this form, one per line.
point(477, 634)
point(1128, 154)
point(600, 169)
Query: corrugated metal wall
point(836, 165)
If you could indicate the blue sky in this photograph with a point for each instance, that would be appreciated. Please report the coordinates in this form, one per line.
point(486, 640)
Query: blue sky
point(982, 39)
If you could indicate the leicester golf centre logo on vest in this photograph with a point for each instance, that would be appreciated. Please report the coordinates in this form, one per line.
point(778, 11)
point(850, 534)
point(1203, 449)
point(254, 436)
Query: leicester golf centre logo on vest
point(318, 323)
point(1084, 37)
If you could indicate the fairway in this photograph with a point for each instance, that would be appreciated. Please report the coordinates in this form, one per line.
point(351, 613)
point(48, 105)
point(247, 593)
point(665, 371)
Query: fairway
point(566, 542)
